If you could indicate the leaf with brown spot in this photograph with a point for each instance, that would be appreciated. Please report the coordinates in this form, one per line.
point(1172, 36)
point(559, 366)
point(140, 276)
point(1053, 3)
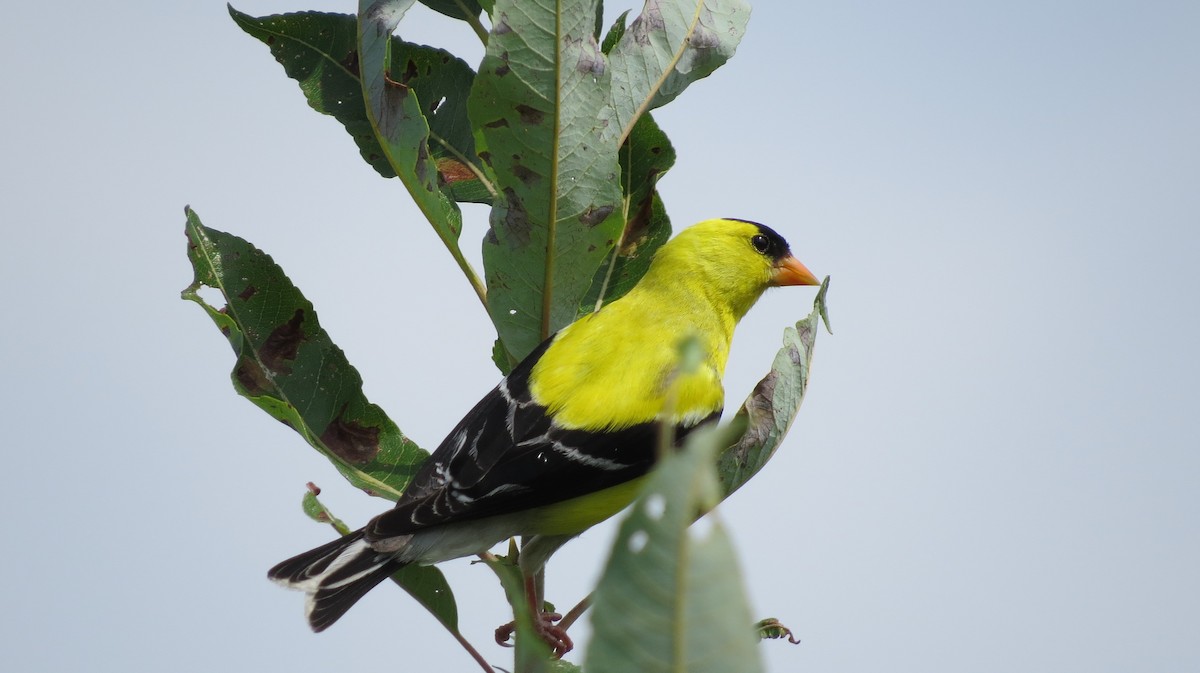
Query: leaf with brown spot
point(320, 395)
point(452, 170)
point(288, 365)
point(559, 206)
point(646, 155)
point(282, 344)
point(593, 215)
point(770, 410)
point(524, 174)
point(666, 48)
point(353, 442)
point(460, 182)
point(530, 115)
point(320, 51)
point(249, 374)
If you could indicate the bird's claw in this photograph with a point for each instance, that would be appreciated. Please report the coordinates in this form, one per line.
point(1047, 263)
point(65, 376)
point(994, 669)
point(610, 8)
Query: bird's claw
point(546, 628)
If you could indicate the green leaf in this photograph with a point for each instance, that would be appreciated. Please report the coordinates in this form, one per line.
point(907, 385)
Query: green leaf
point(426, 584)
point(289, 366)
point(534, 103)
point(429, 587)
point(646, 155)
point(532, 654)
point(614, 33)
point(397, 116)
point(671, 598)
point(772, 629)
point(626, 265)
point(770, 409)
point(320, 52)
point(316, 510)
point(464, 10)
point(671, 44)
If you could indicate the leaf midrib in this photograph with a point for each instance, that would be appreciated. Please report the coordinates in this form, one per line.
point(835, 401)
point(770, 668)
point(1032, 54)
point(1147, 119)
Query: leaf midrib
point(206, 248)
point(552, 224)
point(645, 105)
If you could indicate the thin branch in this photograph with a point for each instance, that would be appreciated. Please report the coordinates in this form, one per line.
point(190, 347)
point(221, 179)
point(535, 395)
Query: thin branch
point(473, 652)
point(473, 21)
point(625, 203)
point(468, 271)
point(576, 612)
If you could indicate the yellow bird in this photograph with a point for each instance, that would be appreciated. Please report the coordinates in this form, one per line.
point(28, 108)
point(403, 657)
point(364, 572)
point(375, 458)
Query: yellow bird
point(563, 441)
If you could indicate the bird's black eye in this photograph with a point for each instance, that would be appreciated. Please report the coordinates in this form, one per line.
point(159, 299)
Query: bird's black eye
point(760, 243)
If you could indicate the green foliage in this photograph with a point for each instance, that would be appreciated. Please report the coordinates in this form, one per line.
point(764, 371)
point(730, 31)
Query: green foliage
point(532, 655)
point(289, 366)
point(553, 133)
point(666, 48)
point(320, 52)
point(671, 597)
point(646, 155)
point(770, 409)
point(557, 213)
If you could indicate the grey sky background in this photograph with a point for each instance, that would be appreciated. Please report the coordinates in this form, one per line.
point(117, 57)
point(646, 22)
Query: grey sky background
point(995, 469)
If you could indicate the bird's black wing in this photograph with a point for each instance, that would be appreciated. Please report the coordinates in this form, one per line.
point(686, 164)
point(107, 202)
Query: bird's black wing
point(506, 455)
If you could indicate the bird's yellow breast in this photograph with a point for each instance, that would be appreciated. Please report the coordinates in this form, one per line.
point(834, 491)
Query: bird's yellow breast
point(620, 367)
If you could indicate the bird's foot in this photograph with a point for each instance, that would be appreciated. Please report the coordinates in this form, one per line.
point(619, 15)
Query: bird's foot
point(546, 628)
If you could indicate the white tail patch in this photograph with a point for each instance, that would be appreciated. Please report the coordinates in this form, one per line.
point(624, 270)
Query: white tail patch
point(312, 582)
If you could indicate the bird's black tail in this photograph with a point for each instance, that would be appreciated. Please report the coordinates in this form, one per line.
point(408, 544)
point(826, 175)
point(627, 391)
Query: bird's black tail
point(334, 576)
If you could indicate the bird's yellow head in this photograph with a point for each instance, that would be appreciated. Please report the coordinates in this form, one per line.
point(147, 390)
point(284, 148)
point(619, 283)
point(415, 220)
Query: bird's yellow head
point(732, 261)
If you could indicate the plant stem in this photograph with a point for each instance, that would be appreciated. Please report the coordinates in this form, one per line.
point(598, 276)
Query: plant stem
point(472, 651)
point(468, 271)
point(473, 21)
point(576, 612)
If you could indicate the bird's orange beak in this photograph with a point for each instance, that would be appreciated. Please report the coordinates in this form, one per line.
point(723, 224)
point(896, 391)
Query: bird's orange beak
point(790, 271)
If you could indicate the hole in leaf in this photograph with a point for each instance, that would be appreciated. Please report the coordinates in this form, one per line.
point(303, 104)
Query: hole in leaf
point(656, 505)
point(438, 104)
point(637, 541)
point(211, 296)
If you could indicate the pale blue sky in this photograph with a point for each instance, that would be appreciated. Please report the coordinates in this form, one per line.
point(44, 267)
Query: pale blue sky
point(996, 468)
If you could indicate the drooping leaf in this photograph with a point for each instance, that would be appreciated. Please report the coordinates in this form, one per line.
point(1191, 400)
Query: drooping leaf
point(429, 587)
point(426, 584)
point(671, 44)
point(289, 366)
point(397, 115)
point(534, 103)
point(646, 155)
point(769, 411)
point(671, 597)
point(320, 52)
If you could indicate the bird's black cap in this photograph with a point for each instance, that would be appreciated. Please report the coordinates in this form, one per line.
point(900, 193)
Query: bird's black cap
point(777, 247)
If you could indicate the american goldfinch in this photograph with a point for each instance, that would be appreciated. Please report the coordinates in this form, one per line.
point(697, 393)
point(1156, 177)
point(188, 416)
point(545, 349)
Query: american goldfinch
point(563, 441)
